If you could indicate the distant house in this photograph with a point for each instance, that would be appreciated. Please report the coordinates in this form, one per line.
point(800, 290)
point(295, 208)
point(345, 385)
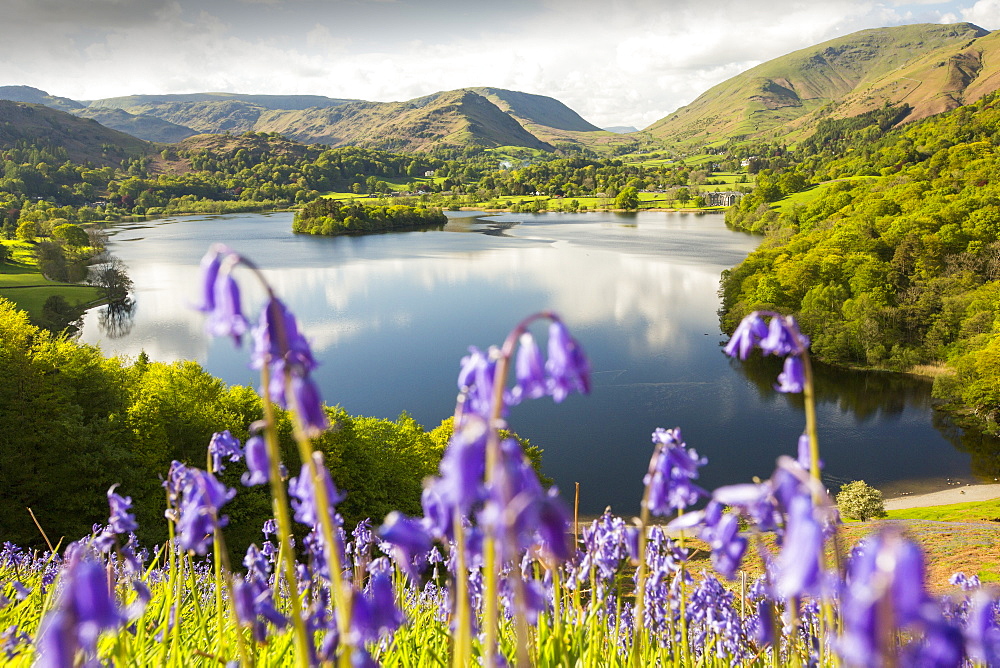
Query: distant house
point(430, 173)
point(726, 198)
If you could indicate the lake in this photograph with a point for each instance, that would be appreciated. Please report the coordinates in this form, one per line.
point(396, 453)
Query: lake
point(390, 316)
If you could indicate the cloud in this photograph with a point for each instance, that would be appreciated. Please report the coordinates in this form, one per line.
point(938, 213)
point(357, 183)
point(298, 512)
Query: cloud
point(623, 62)
point(985, 14)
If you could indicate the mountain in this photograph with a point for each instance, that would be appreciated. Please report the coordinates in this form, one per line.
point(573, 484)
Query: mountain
point(621, 129)
point(131, 103)
point(85, 140)
point(142, 126)
point(35, 96)
point(450, 118)
point(930, 67)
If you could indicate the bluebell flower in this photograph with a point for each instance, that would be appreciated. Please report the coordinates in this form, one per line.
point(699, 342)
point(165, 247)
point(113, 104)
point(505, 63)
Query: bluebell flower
point(672, 469)
point(409, 540)
point(121, 521)
point(203, 496)
point(792, 377)
point(303, 496)
point(529, 371)
point(224, 445)
point(799, 570)
point(86, 607)
point(227, 318)
point(567, 365)
point(749, 333)
point(475, 382)
point(257, 461)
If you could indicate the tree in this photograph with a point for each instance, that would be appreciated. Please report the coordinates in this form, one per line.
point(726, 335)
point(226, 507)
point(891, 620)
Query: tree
point(113, 280)
point(74, 235)
point(627, 199)
point(5, 254)
point(860, 501)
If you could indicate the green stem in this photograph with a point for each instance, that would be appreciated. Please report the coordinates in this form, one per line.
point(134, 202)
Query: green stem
point(282, 517)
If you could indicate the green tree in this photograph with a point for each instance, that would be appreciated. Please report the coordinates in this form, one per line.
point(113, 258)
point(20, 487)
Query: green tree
point(860, 501)
point(627, 199)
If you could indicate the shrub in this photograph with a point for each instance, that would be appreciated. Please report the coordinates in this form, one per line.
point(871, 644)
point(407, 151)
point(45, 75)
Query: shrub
point(860, 501)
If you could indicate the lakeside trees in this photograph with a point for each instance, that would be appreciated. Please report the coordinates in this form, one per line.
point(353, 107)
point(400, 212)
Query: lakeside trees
point(898, 269)
point(90, 421)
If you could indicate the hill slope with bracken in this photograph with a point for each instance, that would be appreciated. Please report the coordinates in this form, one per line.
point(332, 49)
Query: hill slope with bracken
point(84, 140)
point(930, 67)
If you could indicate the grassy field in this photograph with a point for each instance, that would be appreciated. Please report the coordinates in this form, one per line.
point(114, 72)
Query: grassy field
point(810, 195)
point(23, 284)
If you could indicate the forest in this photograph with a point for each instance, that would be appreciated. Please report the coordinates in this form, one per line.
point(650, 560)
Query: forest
point(897, 263)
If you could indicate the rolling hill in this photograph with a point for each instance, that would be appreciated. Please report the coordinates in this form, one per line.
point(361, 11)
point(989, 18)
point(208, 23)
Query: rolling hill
point(930, 67)
point(84, 140)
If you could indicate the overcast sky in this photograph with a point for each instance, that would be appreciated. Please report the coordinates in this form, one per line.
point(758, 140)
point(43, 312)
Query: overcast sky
point(616, 62)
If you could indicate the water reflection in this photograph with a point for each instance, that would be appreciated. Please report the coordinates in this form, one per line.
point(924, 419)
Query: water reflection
point(391, 315)
point(117, 318)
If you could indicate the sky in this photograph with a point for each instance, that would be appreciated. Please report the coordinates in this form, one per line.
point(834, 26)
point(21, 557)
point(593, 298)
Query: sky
point(615, 62)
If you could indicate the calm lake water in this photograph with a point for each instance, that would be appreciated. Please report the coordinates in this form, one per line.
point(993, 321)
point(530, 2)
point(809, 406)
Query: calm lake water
point(390, 316)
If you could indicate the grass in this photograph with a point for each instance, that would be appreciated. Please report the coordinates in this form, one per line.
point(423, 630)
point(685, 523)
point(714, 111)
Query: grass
point(22, 283)
point(810, 195)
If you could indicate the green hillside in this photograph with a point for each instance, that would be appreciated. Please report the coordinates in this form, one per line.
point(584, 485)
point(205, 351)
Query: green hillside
point(84, 140)
point(930, 67)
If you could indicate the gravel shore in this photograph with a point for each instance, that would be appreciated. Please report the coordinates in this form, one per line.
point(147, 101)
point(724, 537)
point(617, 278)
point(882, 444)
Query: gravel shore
point(945, 497)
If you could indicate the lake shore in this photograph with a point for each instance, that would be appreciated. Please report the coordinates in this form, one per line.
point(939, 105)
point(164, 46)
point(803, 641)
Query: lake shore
point(958, 494)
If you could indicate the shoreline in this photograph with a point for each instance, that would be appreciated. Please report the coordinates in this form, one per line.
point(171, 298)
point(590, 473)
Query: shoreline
point(961, 493)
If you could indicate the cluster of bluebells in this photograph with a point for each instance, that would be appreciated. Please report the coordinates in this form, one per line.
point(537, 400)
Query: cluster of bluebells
point(487, 495)
point(780, 336)
point(278, 345)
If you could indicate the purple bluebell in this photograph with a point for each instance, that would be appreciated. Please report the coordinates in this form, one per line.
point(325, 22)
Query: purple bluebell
point(270, 527)
point(121, 519)
point(728, 546)
point(749, 333)
point(227, 318)
point(792, 377)
point(783, 337)
point(203, 497)
point(529, 370)
point(12, 641)
point(475, 382)
point(303, 496)
point(211, 263)
point(982, 633)
point(884, 592)
point(86, 607)
point(257, 461)
point(280, 346)
point(799, 571)
point(254, 605)
point(409, 540)
point(567, 365)
point(672, 469)
point(386, 615)
point(224, 445)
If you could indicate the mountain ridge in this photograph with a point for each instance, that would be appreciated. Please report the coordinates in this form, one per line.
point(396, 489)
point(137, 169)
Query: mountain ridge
point(839, 78)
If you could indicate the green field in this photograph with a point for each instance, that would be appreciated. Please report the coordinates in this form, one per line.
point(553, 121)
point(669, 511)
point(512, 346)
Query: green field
point(23, 284)
point(810, 195)
point(973, 511)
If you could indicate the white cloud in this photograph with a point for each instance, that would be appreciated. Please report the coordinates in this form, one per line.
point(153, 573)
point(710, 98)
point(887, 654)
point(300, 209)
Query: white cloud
point(625, 62)
point(985, 13)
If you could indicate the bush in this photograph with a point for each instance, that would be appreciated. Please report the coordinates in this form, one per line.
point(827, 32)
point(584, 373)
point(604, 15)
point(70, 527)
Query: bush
point(860, 501)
